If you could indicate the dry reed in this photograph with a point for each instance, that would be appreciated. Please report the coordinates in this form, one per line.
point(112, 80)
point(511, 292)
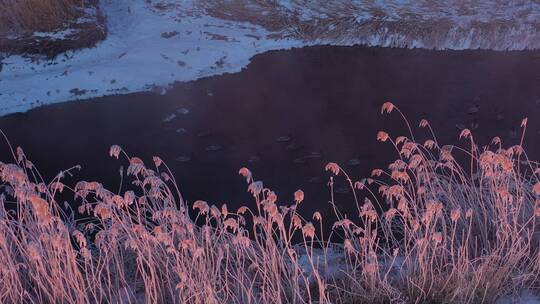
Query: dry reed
point(38, 15)
point(451, 233)
point(426, 24)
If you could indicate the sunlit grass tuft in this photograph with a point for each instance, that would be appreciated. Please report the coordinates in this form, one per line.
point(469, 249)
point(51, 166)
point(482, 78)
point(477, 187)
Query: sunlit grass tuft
point(429, 228)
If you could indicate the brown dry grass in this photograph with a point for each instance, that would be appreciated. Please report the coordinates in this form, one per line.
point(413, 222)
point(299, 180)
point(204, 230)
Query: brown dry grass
point(366, 22)
point(21, 19)
point(37, 15)
point(455, 232)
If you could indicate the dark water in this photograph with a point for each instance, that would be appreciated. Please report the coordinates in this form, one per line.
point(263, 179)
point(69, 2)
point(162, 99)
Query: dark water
point(285, 116)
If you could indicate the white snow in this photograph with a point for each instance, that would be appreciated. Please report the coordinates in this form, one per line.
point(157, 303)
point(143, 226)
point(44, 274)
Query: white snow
point(64, 34)
point(523, 297)
point(135, 56)
point(149, 48)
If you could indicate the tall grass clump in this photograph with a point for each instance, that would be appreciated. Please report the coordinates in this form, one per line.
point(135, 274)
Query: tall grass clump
point(22, 16)
point(431, 228)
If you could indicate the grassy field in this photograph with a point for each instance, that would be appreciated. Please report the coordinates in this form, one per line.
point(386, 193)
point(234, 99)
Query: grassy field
point(450, 232)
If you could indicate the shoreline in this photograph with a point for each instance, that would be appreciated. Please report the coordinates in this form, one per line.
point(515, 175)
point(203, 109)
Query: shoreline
point(285, 116)
point(162, 90)
point(151, 46)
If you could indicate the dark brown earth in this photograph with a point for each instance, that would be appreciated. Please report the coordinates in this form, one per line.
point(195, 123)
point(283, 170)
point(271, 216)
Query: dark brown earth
point(288, 114)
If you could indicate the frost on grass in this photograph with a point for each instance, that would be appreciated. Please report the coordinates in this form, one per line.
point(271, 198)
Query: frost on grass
point(496, 25)
point(428, 229)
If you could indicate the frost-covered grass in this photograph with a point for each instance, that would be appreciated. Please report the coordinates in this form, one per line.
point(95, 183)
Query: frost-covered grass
point(431, 228)
point(453, 24)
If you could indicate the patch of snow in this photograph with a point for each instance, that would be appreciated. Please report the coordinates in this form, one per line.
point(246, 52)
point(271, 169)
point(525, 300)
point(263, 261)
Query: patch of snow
point(183, 111)
point(150, 47)
point(169, 118)
point(12, 35)
point(524, 297)
point(330, 262)
point(64, 34)
point(90, 14)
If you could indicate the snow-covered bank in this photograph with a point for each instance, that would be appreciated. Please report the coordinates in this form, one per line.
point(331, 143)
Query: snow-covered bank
point(146, 48)
point(152, 44)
